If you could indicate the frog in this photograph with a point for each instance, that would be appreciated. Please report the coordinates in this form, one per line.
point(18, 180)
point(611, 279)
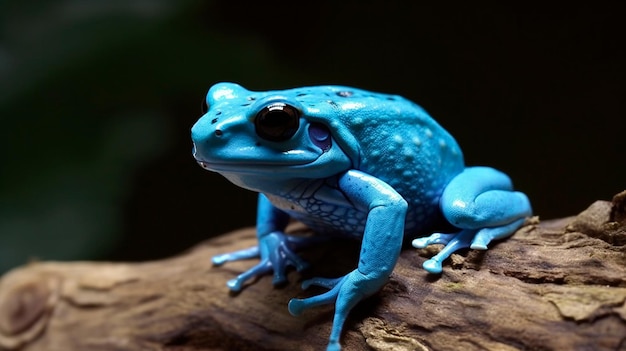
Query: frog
point(348, 163)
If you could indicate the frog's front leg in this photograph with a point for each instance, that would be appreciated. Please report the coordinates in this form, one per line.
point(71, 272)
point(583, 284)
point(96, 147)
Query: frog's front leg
point(480, 201)
point(380, 248)
point(275, 248)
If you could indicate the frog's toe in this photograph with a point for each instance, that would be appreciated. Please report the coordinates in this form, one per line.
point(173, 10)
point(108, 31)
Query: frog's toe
point(297, 306)
point(482, 239)
point(420, 243)
point(251, 252)
point(486, 235)
point(235, 284)
point(260, 269)
point(433, 266)
point(435, 238)
point(479, 246)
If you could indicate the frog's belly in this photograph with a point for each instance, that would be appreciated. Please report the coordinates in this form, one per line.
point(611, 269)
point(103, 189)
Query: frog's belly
point(330, 219)
point(324, 208)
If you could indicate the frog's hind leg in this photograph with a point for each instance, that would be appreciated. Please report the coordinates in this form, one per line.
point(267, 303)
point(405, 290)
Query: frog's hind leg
point(482, 197)
point(480, 201)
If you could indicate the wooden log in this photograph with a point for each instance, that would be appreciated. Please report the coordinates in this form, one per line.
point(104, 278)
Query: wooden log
point(554, 285)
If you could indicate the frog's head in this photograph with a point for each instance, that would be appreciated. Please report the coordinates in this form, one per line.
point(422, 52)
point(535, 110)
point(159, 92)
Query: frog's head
point(244, 133)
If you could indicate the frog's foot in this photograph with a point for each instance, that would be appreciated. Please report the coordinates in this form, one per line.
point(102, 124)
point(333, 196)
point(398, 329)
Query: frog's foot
point(295, 243)
point(480, 201)
point(297, 306)
point(345, 292)
point(277, 253)
point(472, 238)
point(454, 242)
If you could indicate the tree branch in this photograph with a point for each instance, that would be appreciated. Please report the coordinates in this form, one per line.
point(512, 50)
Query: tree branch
point(554, 285)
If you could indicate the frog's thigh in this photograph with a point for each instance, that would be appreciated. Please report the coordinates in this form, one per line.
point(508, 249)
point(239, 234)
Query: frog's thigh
point(481, 197)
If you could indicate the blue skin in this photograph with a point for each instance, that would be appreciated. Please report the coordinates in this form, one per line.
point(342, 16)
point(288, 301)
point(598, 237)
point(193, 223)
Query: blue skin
point(354, 163)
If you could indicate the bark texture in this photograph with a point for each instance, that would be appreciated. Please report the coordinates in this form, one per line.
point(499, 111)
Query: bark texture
point(555, 285)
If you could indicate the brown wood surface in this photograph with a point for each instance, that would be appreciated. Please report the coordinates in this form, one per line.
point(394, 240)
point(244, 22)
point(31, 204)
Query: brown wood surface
point(554, 285)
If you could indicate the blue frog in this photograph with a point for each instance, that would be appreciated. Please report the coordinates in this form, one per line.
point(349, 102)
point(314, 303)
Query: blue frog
point(354, 163)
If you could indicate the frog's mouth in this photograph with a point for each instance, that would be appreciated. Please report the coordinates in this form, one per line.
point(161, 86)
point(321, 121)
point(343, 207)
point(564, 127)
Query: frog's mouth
point(251, 167)
point(252, 160)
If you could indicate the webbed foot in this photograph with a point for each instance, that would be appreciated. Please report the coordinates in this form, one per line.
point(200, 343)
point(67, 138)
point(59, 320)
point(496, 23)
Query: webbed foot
point(454, 242)
point(472, 238)
point(345, 292)
point(276, 251)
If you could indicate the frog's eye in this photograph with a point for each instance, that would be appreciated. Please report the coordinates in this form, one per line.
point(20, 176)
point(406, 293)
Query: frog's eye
point(277, 122)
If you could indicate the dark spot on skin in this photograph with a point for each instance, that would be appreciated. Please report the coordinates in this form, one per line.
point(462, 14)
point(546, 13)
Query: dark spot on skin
point(332, 103)
point(391, 98)
point(214, 120)
point(244, 105)
point(218, 113)
point(251, 98)
point(218, 132)
point(301, 94)
point(345, 93)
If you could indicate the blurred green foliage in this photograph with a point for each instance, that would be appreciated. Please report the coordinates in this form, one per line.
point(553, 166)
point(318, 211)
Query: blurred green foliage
point(85, 89)
point(76, 118)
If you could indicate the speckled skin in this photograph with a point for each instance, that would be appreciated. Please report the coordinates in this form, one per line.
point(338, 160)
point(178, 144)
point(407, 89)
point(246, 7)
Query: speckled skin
point(349, 162)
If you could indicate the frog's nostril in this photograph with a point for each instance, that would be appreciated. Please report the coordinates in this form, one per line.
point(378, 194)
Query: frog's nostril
point(218, 133)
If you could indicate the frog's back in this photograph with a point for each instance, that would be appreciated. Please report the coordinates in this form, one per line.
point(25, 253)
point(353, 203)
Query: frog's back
point(392, 139)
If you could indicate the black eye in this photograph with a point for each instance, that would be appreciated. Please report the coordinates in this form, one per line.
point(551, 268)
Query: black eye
point(277, 122)
point(205, 107)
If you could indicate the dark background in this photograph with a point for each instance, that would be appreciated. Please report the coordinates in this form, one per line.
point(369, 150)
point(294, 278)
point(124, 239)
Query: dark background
point(97, 99)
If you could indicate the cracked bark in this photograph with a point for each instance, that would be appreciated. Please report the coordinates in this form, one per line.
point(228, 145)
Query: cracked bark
point(555, 285)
